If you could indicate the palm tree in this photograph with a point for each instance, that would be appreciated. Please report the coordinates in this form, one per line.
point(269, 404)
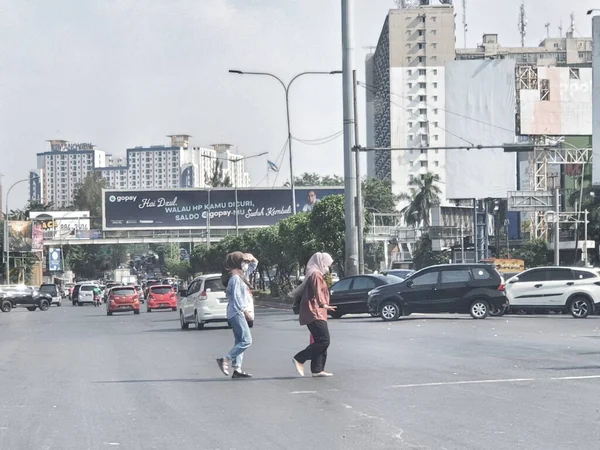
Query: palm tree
point(423, 195)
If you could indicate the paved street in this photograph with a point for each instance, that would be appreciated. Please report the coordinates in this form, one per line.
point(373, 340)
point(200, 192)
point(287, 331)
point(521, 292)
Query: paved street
point(73, 378)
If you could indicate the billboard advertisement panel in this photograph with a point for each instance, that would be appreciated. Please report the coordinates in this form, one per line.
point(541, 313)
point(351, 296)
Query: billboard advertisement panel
point(19, 235)
point(172, 209)
point(61, 224)
point(55, 260)
point(37, 237)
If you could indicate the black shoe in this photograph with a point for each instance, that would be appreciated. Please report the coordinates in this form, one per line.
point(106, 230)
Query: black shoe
point(223, 366)
point(237, 374)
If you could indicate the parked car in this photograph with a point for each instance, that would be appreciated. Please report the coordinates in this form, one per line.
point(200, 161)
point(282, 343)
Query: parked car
point(86, 294)
point(31, 298)
point(162, 296)
point(448, 288)
point(53, 291)
point(350, 294)
point(203, 302)
point(575, 290)
point(121, 299)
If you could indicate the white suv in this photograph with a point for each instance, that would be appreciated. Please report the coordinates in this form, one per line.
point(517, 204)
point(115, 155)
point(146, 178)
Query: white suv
point(205, 301)
point(572, 289)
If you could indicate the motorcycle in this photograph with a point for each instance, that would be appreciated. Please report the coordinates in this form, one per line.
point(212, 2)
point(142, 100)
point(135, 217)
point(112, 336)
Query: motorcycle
point(97, 300)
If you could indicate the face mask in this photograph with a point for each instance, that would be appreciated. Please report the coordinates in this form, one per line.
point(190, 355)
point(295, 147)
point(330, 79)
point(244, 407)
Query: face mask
point(245, 267)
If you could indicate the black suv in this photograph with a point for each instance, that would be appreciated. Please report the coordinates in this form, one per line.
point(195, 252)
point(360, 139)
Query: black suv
point(476, 289)
point(31, 298)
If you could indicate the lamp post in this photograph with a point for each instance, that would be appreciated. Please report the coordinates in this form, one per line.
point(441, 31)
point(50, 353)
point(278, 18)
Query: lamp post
point(286, 88)
point(6, 236)
point(235, 184)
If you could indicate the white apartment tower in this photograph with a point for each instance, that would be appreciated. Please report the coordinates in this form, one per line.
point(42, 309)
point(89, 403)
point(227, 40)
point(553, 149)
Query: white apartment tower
point(406, 93)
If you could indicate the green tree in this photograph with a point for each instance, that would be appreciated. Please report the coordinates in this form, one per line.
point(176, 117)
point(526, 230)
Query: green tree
point(374, 254)
point(217, 177)
point(533, 252)
point(424, 256)
point(327, 222)
point(88, 197)
point(314, 179)
point(423, 195)
point(378, 196)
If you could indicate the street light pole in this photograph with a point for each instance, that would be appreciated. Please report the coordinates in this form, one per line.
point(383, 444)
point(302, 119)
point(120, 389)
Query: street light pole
point(235, 183)
point(286, 88)
point(6, 236)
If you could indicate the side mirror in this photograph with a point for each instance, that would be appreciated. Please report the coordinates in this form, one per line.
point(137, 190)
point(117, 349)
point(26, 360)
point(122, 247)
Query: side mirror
point(410, 283)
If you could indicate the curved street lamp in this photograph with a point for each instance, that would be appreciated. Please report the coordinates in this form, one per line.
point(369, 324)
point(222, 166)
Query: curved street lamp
point(286, 88)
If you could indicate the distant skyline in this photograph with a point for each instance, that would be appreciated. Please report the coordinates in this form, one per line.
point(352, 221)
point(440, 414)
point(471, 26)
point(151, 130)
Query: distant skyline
point(126, 73)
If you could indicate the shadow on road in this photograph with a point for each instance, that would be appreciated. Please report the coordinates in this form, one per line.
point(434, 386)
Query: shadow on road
point(573, 368)
point(168, 330)
point(194, 380)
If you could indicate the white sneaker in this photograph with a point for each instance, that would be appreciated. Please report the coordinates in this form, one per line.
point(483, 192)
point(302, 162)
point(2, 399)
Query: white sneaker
point(322, 374)
point(299, 367)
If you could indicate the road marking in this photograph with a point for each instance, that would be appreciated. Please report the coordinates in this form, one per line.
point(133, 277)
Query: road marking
point(501, 380)
point(451, 383)
point(304, 392)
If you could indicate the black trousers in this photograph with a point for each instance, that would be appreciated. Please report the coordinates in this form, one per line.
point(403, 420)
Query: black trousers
point(317, 351)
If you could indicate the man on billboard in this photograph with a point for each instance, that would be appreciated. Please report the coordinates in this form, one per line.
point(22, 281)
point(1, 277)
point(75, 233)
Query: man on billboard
point(310, 202)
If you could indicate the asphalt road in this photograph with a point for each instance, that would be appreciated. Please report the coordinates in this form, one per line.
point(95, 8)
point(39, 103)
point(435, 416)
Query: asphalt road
point(73, 378)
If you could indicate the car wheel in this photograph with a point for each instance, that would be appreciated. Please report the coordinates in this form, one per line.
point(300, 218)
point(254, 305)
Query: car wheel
point(580, 307)
point(136, 311)
point(390, 311)
point(44, 305)
point(148, 309)
point(184, 324)
point(480, 309)
point(336, 315)
point(173, 309)
point(6, 306)
point(108, 313)
point(31, 308)
point(79, 304)
point(498, 312)
point(59, 304)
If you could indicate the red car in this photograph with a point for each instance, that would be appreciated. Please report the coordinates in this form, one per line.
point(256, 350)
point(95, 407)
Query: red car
point(123, 298)
point(162, 297)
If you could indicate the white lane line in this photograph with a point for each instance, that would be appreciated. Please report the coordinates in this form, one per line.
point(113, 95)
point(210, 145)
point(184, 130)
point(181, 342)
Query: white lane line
point(502, 380)
point(582, 377)
point(451, 383)
point(304, 392)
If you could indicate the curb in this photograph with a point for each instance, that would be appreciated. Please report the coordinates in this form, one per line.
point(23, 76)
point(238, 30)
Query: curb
point(273, 304)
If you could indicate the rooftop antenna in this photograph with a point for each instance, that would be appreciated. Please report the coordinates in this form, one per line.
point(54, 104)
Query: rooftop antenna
point(571, 31)
point(522, 23)
point(464, 20)
point(547, 29)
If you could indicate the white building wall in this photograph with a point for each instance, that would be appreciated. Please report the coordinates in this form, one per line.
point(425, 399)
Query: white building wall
point(417, 120)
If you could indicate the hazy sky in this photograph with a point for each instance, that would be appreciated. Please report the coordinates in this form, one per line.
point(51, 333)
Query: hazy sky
point(122, 73)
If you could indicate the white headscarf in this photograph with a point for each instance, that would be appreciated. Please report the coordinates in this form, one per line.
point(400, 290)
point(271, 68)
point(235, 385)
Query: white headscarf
point(318, 263)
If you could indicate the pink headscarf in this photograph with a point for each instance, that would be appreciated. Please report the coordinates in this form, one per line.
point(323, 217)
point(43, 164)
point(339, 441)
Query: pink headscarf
point(318, 263)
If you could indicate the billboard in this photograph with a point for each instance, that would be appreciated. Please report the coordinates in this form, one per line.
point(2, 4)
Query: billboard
point(483, 91)
point(19, 235)
point(37, 237)
point(61, 224)
point(55, 260)
point(184, 209)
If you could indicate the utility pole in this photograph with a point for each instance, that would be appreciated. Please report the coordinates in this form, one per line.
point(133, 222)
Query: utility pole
point(557, 227)
point(351, 263)
point(585, 237)
point(360, 215)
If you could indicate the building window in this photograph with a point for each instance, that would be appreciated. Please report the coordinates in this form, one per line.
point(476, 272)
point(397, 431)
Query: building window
point(410, 112)
point(422, 19)
point(422, 98)
point(435, 85)
point(423, 163)
point(435, 111)
point(435, 98)
point(423, 124)
point(574, 74)
point(545, 90)
point(408, 45)
point(408, 60)
point(421, 33)
point(409, 72)
point(435, 71)
point(423, 85)
point(433, 18)
point(434, 58)
point(408, 33)
point(435, 137)
point(410, 85)
point(410, 98)
point(434, 45)
point(410, 124)
point(423, 111)
point(421, 59)
point(421, 46)
point(423, 151)
point(422, 71)
point(410, 138)
point(437, 163)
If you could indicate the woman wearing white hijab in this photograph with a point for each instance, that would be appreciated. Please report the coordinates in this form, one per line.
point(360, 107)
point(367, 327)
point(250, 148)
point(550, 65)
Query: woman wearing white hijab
point(314, 305)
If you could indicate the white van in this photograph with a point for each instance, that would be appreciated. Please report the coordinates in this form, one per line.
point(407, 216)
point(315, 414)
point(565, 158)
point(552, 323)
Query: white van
point(205, 301)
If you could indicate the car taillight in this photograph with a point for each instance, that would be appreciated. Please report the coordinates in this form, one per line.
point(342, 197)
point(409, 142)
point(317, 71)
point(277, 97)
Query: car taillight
point(203, 295)
point(502, 287)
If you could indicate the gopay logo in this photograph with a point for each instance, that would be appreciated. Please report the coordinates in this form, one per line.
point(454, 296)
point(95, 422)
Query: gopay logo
point(122, 198)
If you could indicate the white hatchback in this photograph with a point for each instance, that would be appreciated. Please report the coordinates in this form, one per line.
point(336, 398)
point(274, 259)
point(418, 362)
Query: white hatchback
point(86, 294)
point(568, 289)
point(205, 301)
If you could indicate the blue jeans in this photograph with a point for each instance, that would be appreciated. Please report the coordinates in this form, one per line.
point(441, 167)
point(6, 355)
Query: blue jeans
point(242, 338)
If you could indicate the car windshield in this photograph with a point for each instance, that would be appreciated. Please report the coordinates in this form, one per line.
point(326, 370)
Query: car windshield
point(122, 291)
point(392, 279)
point(161, 290)
point(214, 284)
point(88, 287)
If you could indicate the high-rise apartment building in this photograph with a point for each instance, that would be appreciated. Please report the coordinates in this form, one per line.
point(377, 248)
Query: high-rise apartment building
point(155, 167)
point(406, 93)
